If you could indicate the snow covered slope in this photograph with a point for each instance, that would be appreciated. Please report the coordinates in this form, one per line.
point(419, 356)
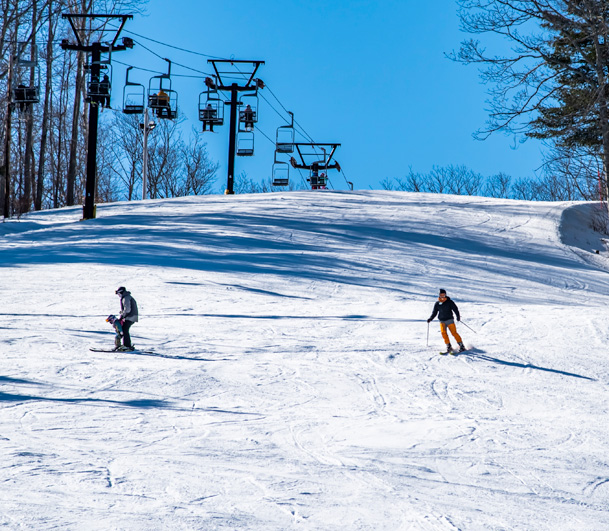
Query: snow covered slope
point(291, 384)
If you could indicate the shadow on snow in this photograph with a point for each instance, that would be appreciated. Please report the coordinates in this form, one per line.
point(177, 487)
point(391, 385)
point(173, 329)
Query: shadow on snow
point(479, 355)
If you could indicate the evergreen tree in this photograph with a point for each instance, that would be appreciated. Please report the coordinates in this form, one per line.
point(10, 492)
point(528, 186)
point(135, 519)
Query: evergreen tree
point(553, 83)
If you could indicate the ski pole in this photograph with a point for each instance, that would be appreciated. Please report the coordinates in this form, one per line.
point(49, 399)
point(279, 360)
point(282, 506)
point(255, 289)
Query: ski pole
point(468, 327)
point(427, 333)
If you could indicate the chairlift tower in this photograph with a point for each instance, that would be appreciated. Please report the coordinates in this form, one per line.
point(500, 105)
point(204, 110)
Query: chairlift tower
point(251, 85)
point(309, 159)
point(89, 40)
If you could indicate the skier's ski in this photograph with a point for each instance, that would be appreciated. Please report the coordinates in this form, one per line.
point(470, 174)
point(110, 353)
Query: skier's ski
point(453, 352)
point(136, 351)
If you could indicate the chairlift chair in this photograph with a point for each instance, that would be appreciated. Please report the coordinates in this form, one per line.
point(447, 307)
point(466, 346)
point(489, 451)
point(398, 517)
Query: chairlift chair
point(27, 70)
point(281, 173)
point(319, 181)
point(284, 138)
point(24, 95)
point(211, 107)
point(162, 99)
point(99, 87)
point(27, 55)
point(319, 175)
point(248, 114)
point(134, 96)
point(245, 144)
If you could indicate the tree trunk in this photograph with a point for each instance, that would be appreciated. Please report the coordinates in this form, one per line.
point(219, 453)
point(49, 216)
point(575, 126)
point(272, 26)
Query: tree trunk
point(25, 203)
point(5, 184)
point(45, 112)
point(71, 177)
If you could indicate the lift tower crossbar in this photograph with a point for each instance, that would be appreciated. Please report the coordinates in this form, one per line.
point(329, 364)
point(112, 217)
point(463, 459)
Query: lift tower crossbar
point(94, 46)
point(234, 88)
point(310, 160)
point(305, 155)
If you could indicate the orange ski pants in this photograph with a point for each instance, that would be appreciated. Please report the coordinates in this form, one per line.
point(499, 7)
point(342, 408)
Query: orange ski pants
point(453, 330)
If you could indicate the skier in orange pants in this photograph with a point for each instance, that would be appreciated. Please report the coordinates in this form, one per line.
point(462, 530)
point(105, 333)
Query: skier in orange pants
point(444, 308)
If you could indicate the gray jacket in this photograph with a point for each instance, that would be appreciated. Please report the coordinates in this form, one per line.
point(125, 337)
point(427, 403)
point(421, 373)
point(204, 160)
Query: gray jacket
point(128, 307)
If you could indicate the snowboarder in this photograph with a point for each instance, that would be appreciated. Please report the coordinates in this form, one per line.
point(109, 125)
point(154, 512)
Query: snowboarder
point(128, 315)
point(118, 327)
point(444, 308)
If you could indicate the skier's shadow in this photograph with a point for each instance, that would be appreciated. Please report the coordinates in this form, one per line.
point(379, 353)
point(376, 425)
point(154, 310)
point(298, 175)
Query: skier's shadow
point(479, 354)
point(170, 357)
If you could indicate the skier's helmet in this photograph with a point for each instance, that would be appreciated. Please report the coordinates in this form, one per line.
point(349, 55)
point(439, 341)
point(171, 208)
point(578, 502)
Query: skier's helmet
point(110, 319)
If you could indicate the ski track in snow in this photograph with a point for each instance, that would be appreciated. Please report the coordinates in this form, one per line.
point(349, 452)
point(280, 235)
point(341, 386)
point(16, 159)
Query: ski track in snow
point(290, 384)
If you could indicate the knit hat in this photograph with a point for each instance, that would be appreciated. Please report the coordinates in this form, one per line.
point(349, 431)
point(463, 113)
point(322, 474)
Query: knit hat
point(442, 292)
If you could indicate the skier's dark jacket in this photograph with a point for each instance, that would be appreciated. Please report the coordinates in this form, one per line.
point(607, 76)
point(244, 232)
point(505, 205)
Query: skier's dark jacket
point(445, 310)
point(128, 307)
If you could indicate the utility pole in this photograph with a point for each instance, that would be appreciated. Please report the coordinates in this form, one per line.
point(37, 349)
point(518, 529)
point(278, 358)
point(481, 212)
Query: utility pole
point(146, 127)
point(95, 49)
point(235, 88)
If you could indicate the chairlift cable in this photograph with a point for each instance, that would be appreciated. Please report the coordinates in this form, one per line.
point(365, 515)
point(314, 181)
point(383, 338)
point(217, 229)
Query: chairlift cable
point(274, 96)
point(171, 45)
point(264, 134)
point(304, 133)
point(153, 71)
point(345, 177)
point(302, 130)
point(173, 62)
point(304, 181)
point(271, 106)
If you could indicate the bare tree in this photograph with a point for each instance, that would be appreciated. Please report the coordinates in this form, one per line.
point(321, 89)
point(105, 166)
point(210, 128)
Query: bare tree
point(175, 168)
point(526, 189)
point(164, 160)
point(200, 171)
point(580, 170)
point(49, 58)
point(125, 154)
point(246, 185)
point(498, 185)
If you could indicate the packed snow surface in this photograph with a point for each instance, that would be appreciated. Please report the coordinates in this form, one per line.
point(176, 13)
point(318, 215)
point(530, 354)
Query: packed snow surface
point(291, 380)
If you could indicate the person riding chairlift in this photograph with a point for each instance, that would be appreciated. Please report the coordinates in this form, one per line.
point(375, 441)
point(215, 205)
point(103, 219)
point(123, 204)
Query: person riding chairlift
point(248, 118)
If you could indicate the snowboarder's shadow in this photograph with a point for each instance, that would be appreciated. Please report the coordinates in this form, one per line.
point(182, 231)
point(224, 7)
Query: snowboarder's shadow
point(479, 354)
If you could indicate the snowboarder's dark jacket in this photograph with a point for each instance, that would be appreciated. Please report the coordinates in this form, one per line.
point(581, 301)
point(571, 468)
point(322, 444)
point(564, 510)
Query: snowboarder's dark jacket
point(445, 310)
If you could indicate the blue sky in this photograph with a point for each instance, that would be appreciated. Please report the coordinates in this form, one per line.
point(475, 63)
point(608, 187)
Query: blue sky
point(371, 75)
